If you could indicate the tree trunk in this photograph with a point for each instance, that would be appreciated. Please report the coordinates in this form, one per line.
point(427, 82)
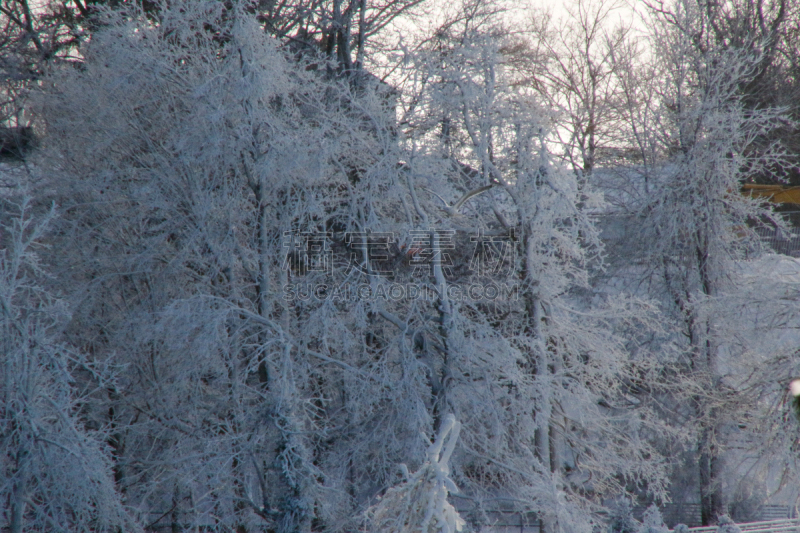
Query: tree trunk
point(711, 497)
point(712, 503)
point(18, 495)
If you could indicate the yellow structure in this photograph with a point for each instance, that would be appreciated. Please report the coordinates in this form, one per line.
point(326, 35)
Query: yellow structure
point(779, 194)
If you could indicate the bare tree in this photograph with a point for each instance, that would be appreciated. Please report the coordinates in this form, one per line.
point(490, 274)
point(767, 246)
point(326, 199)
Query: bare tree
point(576, 63)
point(32, 36)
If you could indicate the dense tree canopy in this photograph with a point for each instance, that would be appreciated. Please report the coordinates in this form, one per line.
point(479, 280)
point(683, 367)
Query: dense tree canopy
point(276, 266)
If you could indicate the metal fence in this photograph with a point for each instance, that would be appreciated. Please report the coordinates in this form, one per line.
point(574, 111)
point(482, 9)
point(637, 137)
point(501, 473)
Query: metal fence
point(790, 525)
point(781, 242)
point(771, 519)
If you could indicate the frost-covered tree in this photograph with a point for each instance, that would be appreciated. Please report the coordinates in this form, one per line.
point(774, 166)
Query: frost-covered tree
point(693, 223)
point(726, 525)
point(652, 521)
point(420, 503)
point(477, 140)
point(759, 321)
point(221, 149)
point(56, 471)
point(302, 291)
point(620, 517)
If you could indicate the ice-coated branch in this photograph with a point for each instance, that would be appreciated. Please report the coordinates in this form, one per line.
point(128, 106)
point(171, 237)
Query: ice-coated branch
point(420, 504)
